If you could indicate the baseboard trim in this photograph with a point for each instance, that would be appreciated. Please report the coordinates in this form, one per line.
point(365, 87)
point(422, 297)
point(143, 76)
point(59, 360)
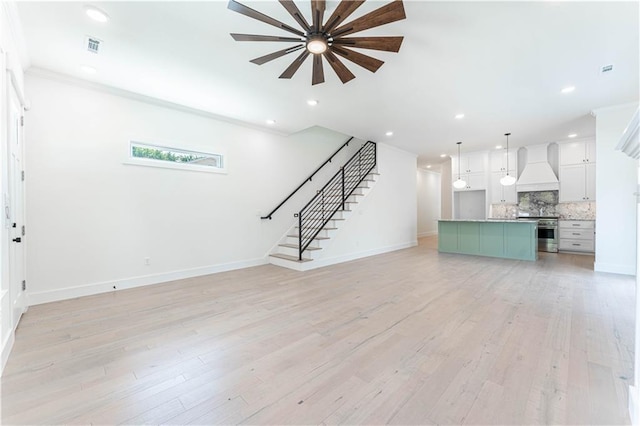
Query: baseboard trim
point(614, 268)
point(132, 282)
point(320, 263)
point(633, 405)
point(7, 346)
point(427, 234)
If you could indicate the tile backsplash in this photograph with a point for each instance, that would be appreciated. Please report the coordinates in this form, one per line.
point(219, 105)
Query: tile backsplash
point(538, 203)
point(544, 203)
point(585, 211)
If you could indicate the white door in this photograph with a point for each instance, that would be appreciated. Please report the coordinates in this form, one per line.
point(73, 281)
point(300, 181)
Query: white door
point(15, 206)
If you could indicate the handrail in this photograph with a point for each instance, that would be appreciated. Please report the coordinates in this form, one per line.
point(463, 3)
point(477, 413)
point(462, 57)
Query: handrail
point(314, 216)
point(307, 179)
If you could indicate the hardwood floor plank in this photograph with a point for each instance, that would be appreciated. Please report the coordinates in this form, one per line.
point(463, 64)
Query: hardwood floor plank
point(408, 337)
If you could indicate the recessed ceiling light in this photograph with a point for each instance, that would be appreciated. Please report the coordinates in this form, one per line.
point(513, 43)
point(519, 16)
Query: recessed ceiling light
point(498, 146)
point(312, 102)
point(87, 69)
point(389, 133)
point(459, 116)
point(428, 166)
point(443, 155)
point(96, 14)
point(271, 122)
point(572, 135)
point(568, 89)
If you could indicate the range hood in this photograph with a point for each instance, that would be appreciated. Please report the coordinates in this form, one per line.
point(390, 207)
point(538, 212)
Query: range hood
point(537, 174)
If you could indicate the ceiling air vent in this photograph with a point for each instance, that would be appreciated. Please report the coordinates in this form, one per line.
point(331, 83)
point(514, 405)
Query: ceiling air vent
point(606, 68)
point(93, 44)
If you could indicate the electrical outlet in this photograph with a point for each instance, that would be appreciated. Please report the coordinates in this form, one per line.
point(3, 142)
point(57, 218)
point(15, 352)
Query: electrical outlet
point(147, 261)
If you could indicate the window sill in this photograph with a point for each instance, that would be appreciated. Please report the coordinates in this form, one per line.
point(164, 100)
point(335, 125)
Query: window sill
point(173, 166)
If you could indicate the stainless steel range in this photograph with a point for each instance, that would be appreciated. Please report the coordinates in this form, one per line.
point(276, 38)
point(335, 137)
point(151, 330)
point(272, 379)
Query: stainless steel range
point(547, 233)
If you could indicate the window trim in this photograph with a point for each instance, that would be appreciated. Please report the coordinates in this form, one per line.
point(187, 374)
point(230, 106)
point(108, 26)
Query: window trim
point(150, 162)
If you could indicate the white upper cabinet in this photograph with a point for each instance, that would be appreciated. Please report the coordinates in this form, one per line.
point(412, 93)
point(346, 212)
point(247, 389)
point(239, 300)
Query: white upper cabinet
point(578, 171)
point(578, 152)
point(501, 194)
point(499, 161)
point(470, 163)
point(577, 182)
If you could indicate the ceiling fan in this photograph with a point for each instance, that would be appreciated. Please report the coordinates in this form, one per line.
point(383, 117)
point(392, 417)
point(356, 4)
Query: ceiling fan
point(327, 38)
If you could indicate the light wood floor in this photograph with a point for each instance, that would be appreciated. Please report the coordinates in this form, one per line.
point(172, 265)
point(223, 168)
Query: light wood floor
point(410, 337)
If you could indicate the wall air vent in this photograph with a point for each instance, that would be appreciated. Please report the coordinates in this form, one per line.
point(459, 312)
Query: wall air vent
point(93, 44)
point(606, 68)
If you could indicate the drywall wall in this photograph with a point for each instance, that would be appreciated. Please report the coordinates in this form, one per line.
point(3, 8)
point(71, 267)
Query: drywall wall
point(94, 220)
point(446, 189)
point(616, 184)
point(470, 205)
point(384, 220)
point(429, 200)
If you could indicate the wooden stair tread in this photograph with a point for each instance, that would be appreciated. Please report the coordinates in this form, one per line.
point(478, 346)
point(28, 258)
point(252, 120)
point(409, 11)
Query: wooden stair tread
point(316, 227)
point(291, 258)
point(295, 246)
point(316, 238)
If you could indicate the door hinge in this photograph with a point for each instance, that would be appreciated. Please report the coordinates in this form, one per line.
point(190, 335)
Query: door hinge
point(23, 230)
point(24, 285)
point(22, 120)
point(22, 175)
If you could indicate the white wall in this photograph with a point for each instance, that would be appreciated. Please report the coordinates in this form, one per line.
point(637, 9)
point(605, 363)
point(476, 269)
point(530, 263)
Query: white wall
point(429, 201)
point(470, 205)
point(616, 177)
point(446, 190)
point(384, 220)
point(93, 220)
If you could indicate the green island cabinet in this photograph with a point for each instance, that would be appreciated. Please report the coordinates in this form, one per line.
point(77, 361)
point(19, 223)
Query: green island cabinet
point(507, 239)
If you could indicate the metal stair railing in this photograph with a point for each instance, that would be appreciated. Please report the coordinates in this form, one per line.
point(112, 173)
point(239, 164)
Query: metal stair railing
point(333, 196)
point(309, 179)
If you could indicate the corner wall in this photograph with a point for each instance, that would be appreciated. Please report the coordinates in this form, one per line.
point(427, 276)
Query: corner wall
point(616, 183)
point(429, 202)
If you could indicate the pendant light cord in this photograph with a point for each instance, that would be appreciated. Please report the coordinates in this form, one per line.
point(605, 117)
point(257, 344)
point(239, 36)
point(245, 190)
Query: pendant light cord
point(507, 135)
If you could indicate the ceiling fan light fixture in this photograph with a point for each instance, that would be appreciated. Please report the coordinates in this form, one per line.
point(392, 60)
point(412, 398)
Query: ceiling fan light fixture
point(317, 45)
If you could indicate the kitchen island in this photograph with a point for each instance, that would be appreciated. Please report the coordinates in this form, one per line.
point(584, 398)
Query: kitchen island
point(509, 239)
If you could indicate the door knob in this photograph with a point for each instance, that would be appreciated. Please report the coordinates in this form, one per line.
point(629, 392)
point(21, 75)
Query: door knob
point(17, 240)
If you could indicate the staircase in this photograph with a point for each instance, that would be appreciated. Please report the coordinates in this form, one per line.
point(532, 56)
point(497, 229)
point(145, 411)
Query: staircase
point(319, 221)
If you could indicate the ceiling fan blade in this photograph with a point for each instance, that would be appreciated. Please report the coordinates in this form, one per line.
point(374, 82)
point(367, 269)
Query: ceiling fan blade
point(389, 44)
point(318, 72)
point(391, 12)
point(271, 56)
point(293, 68)
point(341, 70)
point(372, 64)
point(295, 12)
point(317, 11)
point(252, 37)
point(342, 12)
point(251, 13)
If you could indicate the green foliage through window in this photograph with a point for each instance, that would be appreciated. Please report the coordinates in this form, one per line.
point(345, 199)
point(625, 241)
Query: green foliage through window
point(175, 155)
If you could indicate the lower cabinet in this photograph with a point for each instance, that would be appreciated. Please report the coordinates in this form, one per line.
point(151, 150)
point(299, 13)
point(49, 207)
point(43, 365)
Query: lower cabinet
point(577, 235)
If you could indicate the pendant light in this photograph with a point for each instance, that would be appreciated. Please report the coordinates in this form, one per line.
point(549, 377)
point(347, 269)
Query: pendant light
point(459, 184)
point(507, 180)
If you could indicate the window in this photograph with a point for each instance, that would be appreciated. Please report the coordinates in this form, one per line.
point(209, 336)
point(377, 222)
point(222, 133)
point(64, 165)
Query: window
point(162, 156)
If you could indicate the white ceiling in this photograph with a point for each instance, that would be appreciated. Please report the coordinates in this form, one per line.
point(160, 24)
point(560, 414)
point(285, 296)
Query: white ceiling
point(502, 64)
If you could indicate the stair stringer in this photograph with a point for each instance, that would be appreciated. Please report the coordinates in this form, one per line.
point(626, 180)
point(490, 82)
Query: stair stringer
point(326, 236)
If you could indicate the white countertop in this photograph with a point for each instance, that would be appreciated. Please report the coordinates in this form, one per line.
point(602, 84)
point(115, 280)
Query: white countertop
point(490, 220)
